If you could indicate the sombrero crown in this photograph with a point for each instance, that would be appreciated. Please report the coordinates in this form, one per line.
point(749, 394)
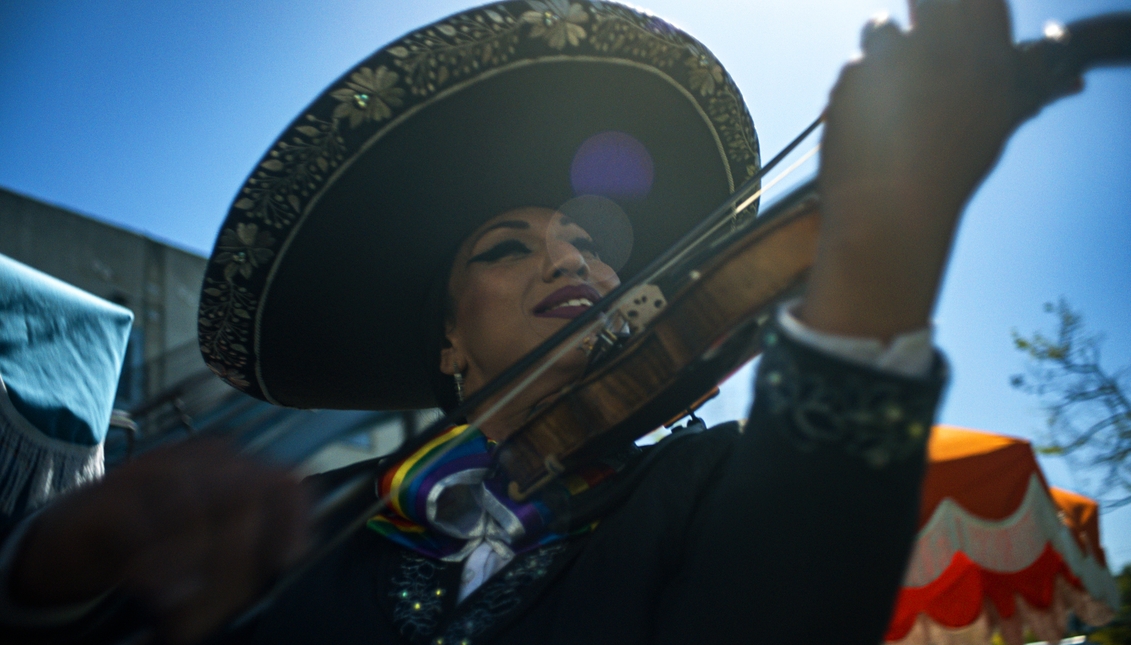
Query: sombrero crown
point(317, 292)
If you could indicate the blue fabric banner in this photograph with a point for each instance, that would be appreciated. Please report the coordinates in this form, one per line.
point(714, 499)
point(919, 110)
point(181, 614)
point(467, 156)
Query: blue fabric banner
point(61, 350)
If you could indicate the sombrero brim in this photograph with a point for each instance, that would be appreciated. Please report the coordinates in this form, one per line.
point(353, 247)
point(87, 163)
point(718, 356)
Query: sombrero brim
point(316, 295)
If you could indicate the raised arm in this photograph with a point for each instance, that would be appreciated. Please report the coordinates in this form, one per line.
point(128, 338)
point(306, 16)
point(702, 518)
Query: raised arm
point(912, 129)
point(806, 534)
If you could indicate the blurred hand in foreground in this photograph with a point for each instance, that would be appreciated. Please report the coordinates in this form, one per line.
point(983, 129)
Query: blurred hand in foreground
point(193, 531)
point(912, 128)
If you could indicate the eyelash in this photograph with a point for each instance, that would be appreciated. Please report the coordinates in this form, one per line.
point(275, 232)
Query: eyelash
point(500, 251)
point(515, 247)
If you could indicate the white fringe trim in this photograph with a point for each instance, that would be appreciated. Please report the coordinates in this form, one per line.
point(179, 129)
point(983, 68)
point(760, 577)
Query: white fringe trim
point(1048, 624)
point(1007, 545)
point(32, 461)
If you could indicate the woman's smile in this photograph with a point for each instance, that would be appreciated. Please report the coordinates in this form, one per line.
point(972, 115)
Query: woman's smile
point(568, 302)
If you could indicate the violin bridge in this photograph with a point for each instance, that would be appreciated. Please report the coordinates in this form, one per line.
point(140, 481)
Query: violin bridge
point(641, 305)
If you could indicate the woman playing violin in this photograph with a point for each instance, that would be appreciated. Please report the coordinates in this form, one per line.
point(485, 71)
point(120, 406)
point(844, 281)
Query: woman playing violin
point(413, 233)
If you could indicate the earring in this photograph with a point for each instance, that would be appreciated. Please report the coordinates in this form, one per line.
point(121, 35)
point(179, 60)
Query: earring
point(458, 376)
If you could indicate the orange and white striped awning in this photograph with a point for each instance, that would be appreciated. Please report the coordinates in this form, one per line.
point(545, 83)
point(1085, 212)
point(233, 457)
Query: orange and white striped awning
point(998, 549)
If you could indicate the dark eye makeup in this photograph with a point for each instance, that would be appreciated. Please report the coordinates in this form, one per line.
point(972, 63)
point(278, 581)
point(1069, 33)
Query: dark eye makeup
point(513, 247)
point(501, 250)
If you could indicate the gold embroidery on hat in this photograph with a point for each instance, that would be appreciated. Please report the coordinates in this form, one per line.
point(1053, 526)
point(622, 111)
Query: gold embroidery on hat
point(243, 249)
point(369, 95)
point(556, 21)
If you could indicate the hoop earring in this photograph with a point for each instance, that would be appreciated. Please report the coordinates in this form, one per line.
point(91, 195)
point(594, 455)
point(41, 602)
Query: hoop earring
point(458, 376)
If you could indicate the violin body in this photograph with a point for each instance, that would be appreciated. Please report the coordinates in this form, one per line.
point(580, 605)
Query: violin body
point(706, 331)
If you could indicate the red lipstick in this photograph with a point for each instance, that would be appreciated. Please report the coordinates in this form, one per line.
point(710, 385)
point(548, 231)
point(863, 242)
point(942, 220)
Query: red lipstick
point(568, 302)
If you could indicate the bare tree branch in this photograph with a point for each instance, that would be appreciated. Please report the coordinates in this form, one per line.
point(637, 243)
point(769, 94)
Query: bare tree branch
point(1088, 408)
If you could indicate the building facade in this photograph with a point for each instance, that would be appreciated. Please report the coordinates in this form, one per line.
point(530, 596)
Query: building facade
point(157, 281)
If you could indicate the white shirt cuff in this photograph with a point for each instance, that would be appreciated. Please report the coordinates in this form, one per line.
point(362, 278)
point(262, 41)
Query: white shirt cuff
point(910, 354)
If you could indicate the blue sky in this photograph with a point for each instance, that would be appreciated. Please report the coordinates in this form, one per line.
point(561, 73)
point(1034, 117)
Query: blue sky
point(149, 115)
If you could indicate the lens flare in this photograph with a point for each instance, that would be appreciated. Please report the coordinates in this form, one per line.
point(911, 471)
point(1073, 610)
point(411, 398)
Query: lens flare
point(612, 164)
point(607, 223)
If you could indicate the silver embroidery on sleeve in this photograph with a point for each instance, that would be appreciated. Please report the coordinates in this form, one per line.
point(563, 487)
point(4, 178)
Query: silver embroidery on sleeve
point(880, 420)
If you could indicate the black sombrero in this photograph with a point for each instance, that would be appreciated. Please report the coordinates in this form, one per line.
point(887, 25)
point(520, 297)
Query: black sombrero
point(316, 292)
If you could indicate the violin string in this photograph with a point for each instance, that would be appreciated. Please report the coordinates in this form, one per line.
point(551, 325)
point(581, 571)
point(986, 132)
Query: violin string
point(678, 257)
point(794, 166)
